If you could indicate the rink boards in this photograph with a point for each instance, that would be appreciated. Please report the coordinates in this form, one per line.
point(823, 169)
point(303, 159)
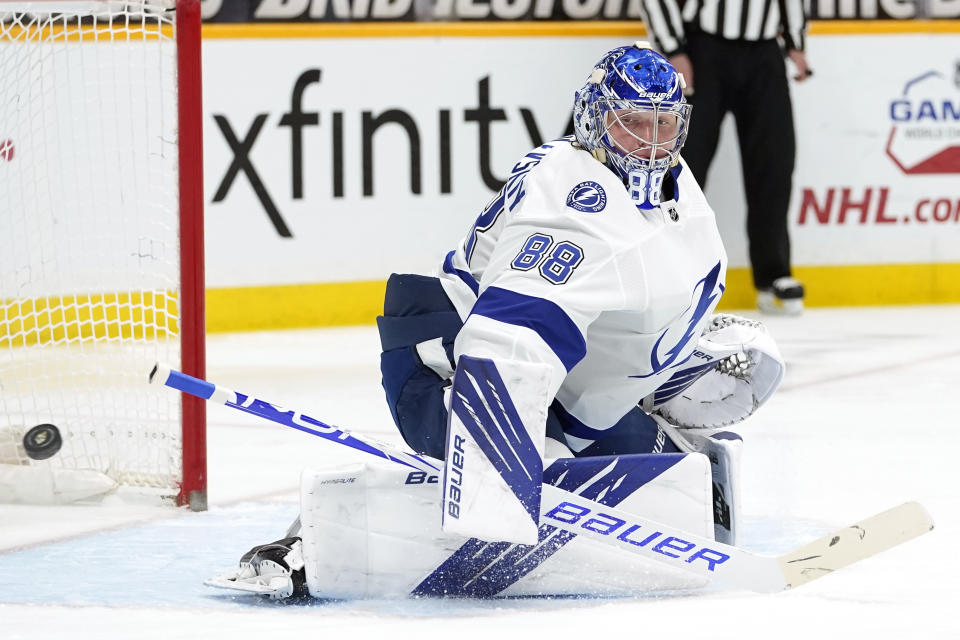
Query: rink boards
point(336, 154)
point(404, 135)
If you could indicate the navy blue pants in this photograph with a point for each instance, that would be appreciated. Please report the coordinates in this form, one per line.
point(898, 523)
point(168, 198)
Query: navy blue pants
point(416, 309)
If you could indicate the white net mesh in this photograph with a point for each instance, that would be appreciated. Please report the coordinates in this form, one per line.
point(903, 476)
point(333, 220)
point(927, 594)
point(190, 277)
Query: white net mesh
point(89, 264)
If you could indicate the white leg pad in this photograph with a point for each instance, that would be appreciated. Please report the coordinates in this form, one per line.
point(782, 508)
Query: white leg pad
point(494, 451)
point(373, 532)
point(723, 448)
point(370, 531)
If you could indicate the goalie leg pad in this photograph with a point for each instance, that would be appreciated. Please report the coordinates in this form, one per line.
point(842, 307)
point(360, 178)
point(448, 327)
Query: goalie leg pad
point(723, 449)
point(372, 532)
point(495, 441)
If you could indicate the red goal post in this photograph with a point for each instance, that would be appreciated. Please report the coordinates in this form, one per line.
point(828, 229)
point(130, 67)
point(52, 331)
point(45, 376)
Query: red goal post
point(101, 264)
point(193, 487)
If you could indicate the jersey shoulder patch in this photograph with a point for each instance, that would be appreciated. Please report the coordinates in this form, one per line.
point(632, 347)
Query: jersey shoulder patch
point(587, 197)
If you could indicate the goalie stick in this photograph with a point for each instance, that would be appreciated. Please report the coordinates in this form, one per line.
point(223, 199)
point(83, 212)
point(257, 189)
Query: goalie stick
point(656, 541)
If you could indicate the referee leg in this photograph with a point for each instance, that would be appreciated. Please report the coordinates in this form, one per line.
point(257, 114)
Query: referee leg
point(708, 103)
point(764, 120)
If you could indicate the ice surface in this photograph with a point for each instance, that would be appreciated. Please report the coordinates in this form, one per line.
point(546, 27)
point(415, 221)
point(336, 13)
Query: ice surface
point(867, 418)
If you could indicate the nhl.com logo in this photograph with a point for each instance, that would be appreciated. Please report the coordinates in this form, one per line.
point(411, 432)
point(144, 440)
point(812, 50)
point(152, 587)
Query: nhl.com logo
point(587, 197)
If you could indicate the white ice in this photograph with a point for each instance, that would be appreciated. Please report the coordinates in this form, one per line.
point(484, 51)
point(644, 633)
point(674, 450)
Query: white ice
point(867, 418)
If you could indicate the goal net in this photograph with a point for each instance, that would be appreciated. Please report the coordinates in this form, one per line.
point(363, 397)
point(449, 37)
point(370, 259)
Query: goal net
point(101, 247)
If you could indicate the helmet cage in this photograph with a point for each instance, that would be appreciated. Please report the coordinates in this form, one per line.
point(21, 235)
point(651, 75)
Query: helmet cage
point(640, 135)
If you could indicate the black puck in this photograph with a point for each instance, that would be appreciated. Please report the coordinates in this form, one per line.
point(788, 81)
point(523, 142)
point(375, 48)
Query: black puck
point(42, 441)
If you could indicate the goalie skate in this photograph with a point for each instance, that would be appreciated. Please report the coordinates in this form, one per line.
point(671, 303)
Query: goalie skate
point(274, 570)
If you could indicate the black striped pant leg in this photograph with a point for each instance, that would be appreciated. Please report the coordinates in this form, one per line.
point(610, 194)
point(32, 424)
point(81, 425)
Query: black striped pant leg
point(709, 104)
point(765, 130)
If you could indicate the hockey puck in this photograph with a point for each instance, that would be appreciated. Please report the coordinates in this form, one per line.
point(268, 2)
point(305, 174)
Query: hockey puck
point(42, 441)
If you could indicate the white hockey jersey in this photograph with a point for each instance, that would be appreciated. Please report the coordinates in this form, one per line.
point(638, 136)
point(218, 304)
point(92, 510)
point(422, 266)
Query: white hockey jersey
point(563, 269)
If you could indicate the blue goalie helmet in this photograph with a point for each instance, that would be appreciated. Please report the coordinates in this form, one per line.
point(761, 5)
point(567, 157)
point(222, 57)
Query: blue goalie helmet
point(632, 116)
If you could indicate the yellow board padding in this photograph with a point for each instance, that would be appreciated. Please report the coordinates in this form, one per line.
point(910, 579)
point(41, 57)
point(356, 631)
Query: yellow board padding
point(146, 315)
point(453, 29)
point(627, 29)
point(870, 27)
point(294, 306)
point(76, 318)
point(354, 303)
point(858, 285)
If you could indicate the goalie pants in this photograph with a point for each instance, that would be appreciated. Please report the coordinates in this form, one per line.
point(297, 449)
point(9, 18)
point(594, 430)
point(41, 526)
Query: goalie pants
point(416, 310)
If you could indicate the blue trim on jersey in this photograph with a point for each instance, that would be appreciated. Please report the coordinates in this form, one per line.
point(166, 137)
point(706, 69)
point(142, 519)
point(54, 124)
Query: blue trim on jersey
point(685, 376)
point(467, 278)
point(679, 382)
point(495, 425)
point(484, 569)
point(634, 421)
point(574, 427)
point(675, 171)
point(710, 289)
point(634, 433)
point(546, 318)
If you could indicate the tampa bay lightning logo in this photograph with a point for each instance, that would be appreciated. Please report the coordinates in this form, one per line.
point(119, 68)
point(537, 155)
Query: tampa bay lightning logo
point(587, 197)
point(670, 345)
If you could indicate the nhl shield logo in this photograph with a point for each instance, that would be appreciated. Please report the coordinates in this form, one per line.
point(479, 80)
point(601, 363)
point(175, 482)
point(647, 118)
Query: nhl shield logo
point(587, 197)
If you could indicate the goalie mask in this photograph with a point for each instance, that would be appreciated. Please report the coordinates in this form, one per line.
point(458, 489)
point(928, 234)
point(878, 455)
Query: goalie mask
point(632, 116)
